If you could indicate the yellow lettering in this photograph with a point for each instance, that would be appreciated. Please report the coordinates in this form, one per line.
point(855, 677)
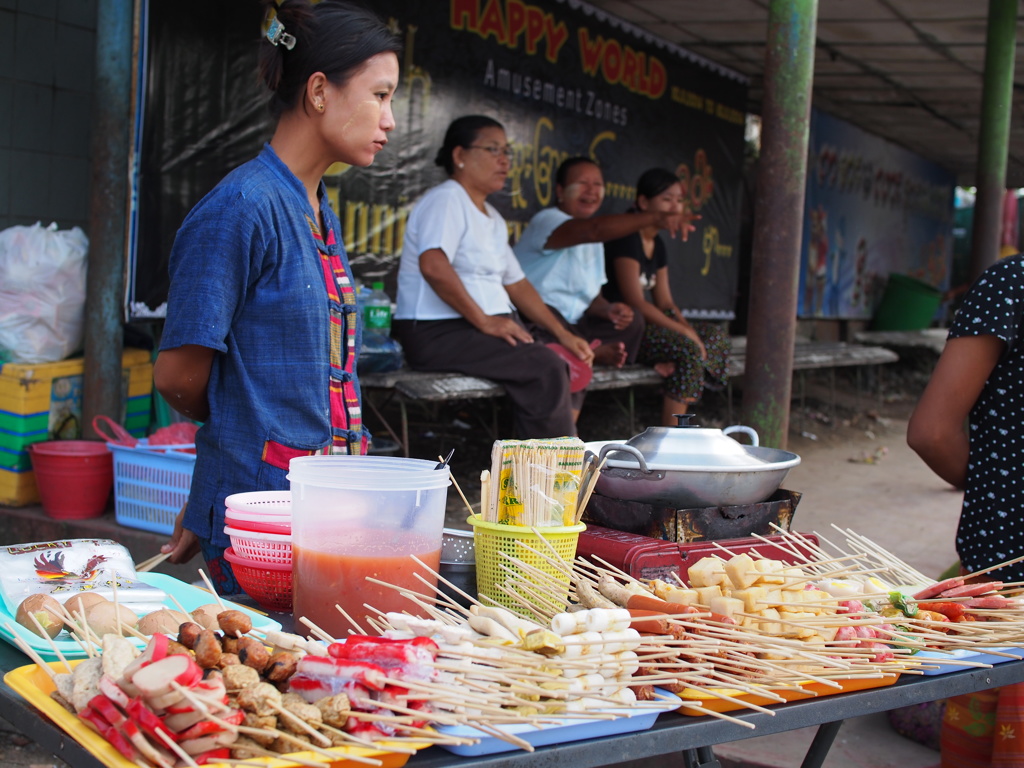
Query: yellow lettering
point(687, 98)
point(710, 240)
point(729, 114)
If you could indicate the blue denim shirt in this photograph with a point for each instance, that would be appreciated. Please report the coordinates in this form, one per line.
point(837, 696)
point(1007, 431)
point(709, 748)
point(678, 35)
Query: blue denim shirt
point(248, 280)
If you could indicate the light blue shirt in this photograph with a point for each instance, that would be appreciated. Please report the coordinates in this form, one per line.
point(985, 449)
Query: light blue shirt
point(568, 279)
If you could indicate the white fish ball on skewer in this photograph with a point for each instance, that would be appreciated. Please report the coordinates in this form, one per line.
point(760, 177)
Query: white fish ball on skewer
point(606, 619)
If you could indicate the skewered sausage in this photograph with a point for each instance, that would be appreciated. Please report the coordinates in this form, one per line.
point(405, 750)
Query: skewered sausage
point(207, 649)
point(280, 667)
point(233, 623)
point(253, 653)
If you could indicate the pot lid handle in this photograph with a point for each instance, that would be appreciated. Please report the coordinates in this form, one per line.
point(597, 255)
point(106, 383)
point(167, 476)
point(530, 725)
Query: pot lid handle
point(617, 447)
point(683, 420)
point(749, 431)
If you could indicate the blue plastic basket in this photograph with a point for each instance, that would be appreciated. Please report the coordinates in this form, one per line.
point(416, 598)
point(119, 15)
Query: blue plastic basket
point(151, 484)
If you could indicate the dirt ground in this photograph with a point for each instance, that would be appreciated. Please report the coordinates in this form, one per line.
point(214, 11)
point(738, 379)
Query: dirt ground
point(856, 473)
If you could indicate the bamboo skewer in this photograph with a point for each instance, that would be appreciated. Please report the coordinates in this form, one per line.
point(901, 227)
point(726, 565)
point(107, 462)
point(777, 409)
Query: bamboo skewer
point(316, 631)
point(53, 645)
point(457, 488)
point(209, 586)
point(720, 715)
point(991, 568)
point(152, 562)
point(347, 618)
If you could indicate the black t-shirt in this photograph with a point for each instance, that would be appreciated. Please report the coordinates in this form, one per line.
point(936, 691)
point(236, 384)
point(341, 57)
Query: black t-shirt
point(991, 529)
point(632, 247)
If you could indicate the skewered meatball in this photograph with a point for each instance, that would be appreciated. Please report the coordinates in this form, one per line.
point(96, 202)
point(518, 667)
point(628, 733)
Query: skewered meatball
point(302, 709)
point(239, 676)
point(293, 743)
point(229, 660)
point(334, 710)
point(244, 748)
point(263, 722)
point(262, 699)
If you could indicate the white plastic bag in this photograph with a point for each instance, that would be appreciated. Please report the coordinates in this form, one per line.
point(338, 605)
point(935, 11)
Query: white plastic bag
point(42, 292)
point(63, 569)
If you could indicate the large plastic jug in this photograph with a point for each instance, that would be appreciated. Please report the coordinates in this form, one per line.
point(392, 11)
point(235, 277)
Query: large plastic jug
point(363, 516)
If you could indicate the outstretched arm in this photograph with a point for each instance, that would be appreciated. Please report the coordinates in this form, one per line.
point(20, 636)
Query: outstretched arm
point(601, 229)
point(936, 430)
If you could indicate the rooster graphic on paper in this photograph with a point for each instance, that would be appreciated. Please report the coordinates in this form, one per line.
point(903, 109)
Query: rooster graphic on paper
point(50, 566)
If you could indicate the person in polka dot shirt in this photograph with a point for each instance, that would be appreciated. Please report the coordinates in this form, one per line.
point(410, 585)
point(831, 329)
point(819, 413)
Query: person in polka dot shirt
point(980, 379)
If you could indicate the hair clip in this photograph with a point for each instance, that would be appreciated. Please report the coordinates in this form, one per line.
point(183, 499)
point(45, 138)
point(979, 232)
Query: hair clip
point(277, 36)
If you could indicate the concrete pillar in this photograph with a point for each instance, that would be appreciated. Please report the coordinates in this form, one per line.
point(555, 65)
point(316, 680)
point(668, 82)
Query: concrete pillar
point(778, 218)
point(994, 133)
point(108, 208)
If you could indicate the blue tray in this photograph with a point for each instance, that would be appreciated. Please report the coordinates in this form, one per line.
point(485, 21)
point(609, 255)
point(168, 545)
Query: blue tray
point(629, 720)
point(937, 662)
point(189, 596)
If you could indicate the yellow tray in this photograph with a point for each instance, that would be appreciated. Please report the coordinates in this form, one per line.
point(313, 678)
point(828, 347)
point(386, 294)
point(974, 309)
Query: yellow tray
point(35, 685)
point(807, 690)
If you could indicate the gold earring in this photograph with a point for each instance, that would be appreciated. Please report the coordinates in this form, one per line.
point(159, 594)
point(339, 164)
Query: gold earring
point(320, 106)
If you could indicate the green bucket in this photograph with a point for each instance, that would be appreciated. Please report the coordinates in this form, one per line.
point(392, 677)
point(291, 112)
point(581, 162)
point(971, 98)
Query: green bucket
point(908, 304)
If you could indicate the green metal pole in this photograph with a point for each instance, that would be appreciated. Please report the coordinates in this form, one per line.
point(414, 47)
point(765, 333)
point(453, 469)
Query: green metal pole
point(108, 203)
point(778, 217)
point(994, 133)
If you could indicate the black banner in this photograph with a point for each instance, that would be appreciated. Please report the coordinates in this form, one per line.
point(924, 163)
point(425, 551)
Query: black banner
point(563, 78)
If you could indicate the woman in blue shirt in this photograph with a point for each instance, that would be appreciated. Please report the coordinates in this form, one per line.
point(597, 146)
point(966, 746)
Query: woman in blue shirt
point(261, 335)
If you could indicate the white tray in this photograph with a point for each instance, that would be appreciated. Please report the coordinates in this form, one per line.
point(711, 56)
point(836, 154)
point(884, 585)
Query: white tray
point(189, 596)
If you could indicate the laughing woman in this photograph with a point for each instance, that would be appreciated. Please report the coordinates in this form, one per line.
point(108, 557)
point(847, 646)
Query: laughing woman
point(562, 254)
point(460, 286)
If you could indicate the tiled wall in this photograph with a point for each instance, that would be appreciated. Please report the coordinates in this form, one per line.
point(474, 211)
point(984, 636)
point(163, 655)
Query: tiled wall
point(47, 53)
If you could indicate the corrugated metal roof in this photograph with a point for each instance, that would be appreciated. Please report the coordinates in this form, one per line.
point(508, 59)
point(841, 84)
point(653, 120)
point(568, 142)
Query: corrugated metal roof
point(907, 70)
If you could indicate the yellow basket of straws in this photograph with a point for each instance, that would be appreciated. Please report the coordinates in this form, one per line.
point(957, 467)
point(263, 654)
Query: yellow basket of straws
point(494, 571)
point(525, 536)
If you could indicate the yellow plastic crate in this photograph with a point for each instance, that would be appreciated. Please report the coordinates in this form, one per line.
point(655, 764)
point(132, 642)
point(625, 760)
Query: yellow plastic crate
point(18, 488)
point(44, 402)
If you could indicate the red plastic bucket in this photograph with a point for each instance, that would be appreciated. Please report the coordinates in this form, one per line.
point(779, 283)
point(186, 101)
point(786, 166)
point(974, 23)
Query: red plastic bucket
point(74, 477)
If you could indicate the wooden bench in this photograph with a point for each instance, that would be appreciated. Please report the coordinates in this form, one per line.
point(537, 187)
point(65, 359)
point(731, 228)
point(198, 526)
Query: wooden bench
point(933, 339)
point(408, 386)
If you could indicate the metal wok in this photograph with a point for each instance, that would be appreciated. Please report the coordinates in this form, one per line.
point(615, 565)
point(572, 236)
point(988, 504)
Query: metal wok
point(718, 472)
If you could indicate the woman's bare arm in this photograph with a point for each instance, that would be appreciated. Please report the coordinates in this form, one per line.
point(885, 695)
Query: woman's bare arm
point(181, 375)
point(612, 226)
point(936, 430)
point(442, 277)
point(532, 307)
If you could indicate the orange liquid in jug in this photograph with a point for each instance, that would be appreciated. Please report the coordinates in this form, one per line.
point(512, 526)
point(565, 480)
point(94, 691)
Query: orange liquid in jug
point(321, 579)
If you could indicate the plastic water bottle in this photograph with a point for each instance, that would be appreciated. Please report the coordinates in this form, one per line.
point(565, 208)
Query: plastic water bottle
point(377, 311)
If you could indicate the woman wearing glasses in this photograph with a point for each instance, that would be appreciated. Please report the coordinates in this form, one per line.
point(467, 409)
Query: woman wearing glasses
point(460, 287)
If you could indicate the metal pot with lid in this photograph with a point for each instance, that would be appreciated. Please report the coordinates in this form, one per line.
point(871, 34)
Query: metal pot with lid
point(690, 466)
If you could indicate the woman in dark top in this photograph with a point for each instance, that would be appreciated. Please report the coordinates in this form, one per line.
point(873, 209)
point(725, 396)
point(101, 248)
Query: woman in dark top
point(691, 356)
point(978, 381)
